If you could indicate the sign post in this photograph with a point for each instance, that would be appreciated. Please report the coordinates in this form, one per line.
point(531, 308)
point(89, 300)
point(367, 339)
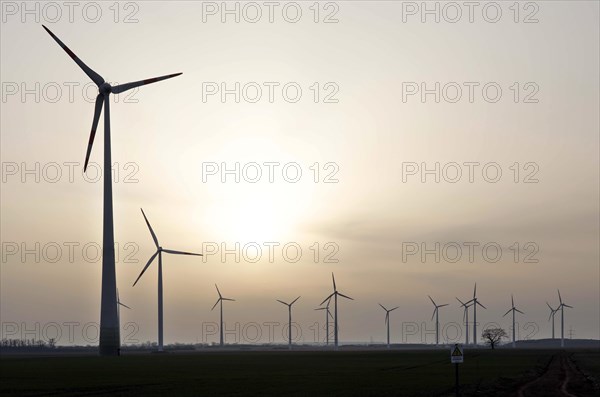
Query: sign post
point(456, 357)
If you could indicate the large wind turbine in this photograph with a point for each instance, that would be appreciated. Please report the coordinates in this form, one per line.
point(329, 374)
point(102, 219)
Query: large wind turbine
point(220, 300)
point(109, 319)
point(475, 302)
point(513, 309)
point(435, 314)
point(327, 315)
point(387, 322)
point(159, 251)
point(465, 319)
point(335, 295)
point(289, 305)
point(551, 317)
point(562, 306)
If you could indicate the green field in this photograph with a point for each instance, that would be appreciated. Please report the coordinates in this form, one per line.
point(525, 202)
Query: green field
point(346, 373)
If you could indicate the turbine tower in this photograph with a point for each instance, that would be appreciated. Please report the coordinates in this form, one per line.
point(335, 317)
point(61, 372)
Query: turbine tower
point(551, 317)
point(335, 295)
point(327, 316)
point(435, 314)
point(387, 322)
point(159, 251)
point(220, 300)
point(289, 305)
point(465, 319)
point(474, 303)
point(562, 306)
point(109, 343)
point(513, 309)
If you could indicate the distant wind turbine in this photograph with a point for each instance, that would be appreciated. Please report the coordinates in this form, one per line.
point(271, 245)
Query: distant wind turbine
point(435, 314)
point(474, 303)
point(109, 343)
point(562, 306)
point(119, 303)
point(335, 295)
point(387, 321)
point(513, 309)
point(289, 305)
point(551, 317)
point(465, 319)
point(159, 251)
point(220, 300)
point(327, 316)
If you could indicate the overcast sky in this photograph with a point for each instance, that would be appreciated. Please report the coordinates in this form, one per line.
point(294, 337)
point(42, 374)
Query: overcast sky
point(342, 103)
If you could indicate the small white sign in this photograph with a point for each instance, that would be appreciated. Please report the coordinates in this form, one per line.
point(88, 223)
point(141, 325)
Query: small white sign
point(456, 354)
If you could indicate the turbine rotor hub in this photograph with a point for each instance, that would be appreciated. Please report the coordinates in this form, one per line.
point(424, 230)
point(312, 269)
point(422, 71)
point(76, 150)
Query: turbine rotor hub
point(105, 88)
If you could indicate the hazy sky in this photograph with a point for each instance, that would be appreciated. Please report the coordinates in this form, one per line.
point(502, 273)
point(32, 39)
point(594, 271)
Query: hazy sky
point(367, 129)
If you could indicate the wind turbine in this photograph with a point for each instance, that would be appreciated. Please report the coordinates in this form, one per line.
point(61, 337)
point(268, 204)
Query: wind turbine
point(387, 322)
point(327, 315)
point(475, 302)
point(289, 305)
point(159, 251)
point(335, 295)
point(435, 314)
point(465, 319)
point(513, 309)
point(220, 300)
point(562, 306)
point(109, 318)
point(551, 317)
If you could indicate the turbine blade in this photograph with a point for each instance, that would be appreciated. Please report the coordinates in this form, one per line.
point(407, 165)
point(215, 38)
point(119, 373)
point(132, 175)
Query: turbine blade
point(565, 305)
point(151, 231)
point(124, 305)
point(344, 296)
point(391, 310)
point(559, 297)
point(227, 299)
point(333, 278)
point(330, 315)
point(146, 267)
point(215, 305)
point(180, 252)
point(320, 308)
point(445, 304)
point(475, 291)
point(383, 307)
point(510, 310)
point(294, 301)
point(281, 302)
point(433, 315)
point(97, 111)
point(387, 317)
point(549, 306)
point(326, 299)
point(481, 305)
point(465, 313)
point(519, 311)
point(432, 301)
point(218, 292)
point(461, 302)
point(127, 86)
point(96, 78)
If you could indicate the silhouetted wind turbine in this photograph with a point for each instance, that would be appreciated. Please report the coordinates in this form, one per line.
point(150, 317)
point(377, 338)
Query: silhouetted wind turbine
point(159, 251)
point(220, 300)
point(335, 295)
point(387, 321)
point(475, 302)
point(513, 309)
point(119, 303)
point(562, 319)
point(551, 317)
point(289, 305)
point(435, 314)
point(327, 315)
point(465, 319)
point(109, 319)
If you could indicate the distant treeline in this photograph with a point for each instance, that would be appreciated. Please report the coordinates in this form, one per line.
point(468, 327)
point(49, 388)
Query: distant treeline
point(27, 344)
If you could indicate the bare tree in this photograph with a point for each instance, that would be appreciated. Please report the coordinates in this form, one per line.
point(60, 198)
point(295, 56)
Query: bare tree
point(493, 336)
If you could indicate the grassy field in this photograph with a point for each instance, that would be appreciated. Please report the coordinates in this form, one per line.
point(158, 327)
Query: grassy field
point(344, 373)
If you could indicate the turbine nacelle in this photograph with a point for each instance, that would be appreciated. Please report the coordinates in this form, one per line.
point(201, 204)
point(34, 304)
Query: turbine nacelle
point(105, 89)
